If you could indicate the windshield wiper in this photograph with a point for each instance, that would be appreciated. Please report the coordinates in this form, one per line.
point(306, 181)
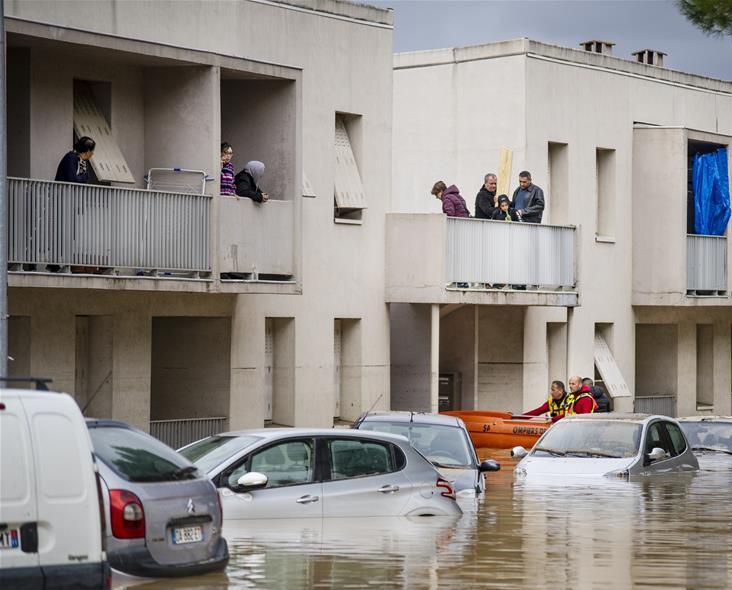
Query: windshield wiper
point(184, 472)
point(712, 449)
point(455, 466)
point(582, 453)
point(553, 452)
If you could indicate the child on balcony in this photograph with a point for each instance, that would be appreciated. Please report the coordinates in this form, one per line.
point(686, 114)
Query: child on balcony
point(505, 212)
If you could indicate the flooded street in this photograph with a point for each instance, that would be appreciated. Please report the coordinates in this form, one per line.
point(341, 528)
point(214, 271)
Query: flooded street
point(663, 532)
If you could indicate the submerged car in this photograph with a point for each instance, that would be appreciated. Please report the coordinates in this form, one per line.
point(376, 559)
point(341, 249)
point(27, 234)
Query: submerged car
point(164, 515)
point(443, 440)
point(619, 445)
point(304, 473)
point(708, 433)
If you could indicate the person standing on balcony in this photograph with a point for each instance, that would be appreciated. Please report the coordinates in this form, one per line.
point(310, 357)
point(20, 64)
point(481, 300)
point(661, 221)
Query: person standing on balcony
point(528, 199)
point(486, 201)
point(504, 212)
point(453, 205)
point(73, 167)
point(247, 182)
point(228, 187)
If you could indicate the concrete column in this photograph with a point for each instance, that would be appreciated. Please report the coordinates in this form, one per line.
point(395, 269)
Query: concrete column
point(246, 396)
point(52, 346)
point(434, 357)
point(722, 375)
point(686, 369)
point(536, 373)
point(131, 367)
point(410, 356)
point(580, 343)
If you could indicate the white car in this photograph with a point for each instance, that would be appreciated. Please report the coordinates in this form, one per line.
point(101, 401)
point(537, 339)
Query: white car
point(305, 473)
point(51, 524)
point(620, 445)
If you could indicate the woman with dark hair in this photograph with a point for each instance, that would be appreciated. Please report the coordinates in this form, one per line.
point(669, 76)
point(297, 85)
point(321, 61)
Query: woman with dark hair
point(73, 167)
point(228, 187)
point(453, 205)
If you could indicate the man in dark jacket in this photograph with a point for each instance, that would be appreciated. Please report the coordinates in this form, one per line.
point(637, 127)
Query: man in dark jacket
point(603, 402)
point(73, 166)
point(247, 182)
point(528, 199)
point(485, 200)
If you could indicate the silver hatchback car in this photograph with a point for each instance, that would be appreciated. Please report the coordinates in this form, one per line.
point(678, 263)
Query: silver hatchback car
point(164, 517)
point(304, 473)
point(615, 445)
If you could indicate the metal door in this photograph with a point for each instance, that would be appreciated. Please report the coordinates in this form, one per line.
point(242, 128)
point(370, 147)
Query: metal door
point(268, 368)
point(337, 368)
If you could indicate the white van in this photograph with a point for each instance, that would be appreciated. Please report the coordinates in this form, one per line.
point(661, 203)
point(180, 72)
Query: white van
point(51, 526)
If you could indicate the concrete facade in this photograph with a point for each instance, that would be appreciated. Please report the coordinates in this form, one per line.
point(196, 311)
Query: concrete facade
point(608, 141)
point(175, 79)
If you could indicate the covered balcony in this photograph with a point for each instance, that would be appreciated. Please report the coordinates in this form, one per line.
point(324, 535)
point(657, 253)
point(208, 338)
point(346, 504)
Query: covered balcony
point(435, 259)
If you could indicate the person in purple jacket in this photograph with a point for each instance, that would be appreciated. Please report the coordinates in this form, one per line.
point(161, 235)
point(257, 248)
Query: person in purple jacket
point(73, 166)
point(453, 205)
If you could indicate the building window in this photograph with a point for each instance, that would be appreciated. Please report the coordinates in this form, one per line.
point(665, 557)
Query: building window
point(349, 197)
point(605, 162)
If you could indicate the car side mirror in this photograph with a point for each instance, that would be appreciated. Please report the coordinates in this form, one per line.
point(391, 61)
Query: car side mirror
point(251, 481)
point(656, 454)
point(519, 452)
point(489, 465)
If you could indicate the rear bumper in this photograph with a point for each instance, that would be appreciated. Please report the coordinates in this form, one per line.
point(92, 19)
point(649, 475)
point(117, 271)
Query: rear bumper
point(139, 562)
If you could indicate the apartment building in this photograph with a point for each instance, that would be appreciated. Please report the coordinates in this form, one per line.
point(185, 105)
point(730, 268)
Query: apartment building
point(620, 289)
point(157, 300)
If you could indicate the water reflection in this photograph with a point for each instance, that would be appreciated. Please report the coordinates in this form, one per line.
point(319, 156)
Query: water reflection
point(671, 531)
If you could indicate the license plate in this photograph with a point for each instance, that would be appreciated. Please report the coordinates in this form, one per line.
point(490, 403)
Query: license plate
point(9, 539)
point(189, 534)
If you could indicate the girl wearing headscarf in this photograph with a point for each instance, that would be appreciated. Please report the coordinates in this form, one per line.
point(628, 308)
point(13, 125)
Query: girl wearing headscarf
point(247, 182)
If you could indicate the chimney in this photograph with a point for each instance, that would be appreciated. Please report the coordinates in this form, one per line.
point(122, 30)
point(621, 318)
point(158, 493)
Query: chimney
point(651, 57)
point(595, 46)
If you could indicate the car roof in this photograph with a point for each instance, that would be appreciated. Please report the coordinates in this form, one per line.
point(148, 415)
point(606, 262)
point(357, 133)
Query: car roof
point(275, 433)
point(104, 422)
point(415, 417)
point(705, 419)
point(617, 417)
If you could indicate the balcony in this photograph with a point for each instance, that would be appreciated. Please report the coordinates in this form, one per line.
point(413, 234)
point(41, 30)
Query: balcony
point(431, 257)
point(706, 265)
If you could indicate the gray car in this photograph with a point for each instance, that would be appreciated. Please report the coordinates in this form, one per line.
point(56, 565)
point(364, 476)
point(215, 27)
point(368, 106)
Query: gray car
point(708, 434)
point(305, 473)
point(616, 445)
point(443, 440)
point(163, 515)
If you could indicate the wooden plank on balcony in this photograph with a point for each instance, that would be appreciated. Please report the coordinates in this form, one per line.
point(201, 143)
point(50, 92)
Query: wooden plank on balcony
point(108, 163)
point(611, 376)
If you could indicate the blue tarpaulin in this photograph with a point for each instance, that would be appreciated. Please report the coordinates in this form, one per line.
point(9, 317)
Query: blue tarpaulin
point(710, 179)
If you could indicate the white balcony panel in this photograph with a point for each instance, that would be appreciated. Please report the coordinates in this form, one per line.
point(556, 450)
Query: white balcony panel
point(706, 264)
point(87, 225)
point(257, 238)
point(482, 251)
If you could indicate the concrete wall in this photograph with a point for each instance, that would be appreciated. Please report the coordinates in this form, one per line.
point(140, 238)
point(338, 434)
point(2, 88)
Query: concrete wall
point(656, 354)
point(458, 351)
point(190, 367)
point(18, 111)
point(19, 346)
point(410, 357)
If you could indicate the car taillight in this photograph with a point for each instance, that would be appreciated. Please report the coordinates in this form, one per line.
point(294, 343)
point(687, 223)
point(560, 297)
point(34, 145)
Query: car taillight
point(126, 514)
point(102, 517)
point(447, 490)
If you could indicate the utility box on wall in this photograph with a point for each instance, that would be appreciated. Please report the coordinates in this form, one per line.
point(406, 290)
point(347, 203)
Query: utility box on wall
point(449, 392)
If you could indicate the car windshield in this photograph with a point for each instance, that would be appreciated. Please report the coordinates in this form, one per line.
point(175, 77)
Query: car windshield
point(709, 435)
point(590, 438)
point(214, 450)
point(444, 446)
point(139, 457)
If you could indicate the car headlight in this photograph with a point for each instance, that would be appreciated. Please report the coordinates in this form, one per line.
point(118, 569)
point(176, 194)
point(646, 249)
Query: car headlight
point(618, 474)
point(519, 472)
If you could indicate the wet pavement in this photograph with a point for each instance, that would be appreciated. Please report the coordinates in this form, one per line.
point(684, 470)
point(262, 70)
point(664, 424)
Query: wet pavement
point(672, 531)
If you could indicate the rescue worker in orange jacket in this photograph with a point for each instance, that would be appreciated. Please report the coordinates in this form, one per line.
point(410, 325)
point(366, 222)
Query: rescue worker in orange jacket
point(560, 403)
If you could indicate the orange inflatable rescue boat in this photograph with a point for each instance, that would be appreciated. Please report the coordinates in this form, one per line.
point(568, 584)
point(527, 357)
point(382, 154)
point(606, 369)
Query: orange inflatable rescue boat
point(502, 430)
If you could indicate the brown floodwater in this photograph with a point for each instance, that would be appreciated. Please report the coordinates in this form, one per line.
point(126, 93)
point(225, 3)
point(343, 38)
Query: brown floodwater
point(672, 531)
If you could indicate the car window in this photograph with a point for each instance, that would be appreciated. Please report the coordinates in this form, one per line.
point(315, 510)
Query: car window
point(441, 444)
point(215, 450)
point(287, 463)
point(655, 438)
point(709, 435)
point(604, 438)
point(139, 457)
point(677, 437)
point(358, 458)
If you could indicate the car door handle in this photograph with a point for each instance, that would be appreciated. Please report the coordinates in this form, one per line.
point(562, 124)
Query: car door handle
point(307, 499)
point(388, 489)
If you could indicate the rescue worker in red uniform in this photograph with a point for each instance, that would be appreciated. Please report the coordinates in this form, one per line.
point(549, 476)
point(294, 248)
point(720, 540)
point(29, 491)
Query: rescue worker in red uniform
point(560, 403)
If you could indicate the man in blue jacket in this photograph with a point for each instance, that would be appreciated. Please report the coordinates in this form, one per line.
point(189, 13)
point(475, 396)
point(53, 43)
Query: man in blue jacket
point(528, 199)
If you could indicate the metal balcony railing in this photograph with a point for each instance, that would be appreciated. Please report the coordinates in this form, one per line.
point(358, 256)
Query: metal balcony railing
point(483, 251)
point(664, 405)
point(178, 433)
point(706, 265)
point(109, 227)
